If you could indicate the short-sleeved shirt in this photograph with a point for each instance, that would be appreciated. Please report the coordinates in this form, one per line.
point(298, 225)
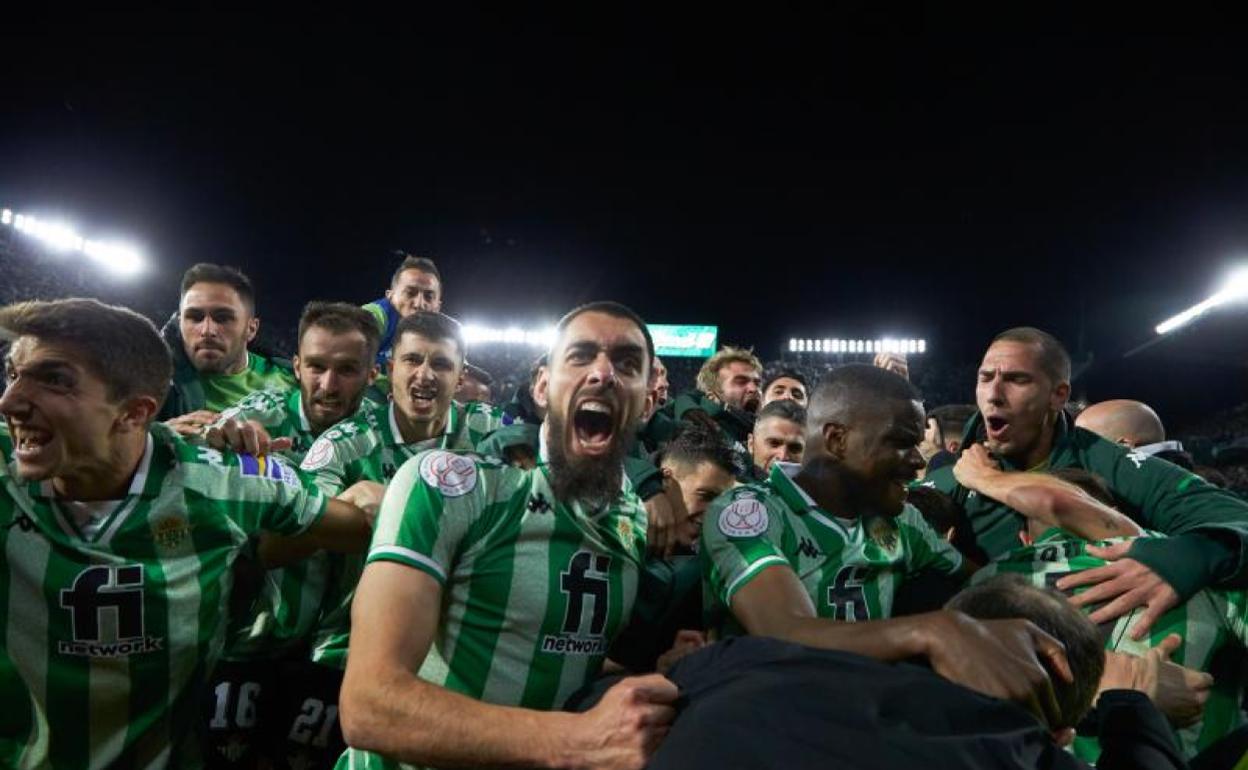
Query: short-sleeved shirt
point(534, 589)
point(1213, 625)
point(850, 567)
point(370, 447)
point(113, 629)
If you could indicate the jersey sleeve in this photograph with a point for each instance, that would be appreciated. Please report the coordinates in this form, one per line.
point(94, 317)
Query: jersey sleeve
point(741, 536)
point(926, 550)
point(257, 493)
point(379, 315)
point(429, 507)
point(480, 420)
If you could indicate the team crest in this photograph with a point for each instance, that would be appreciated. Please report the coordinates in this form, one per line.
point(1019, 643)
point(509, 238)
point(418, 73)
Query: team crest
point(171, 532)
point(882, 531)
point(745, 517)
point(624, 528)
point(452, 474)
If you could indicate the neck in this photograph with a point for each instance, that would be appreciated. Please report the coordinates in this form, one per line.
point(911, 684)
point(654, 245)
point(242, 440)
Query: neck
point(239, 366)
point(411, 431)
point(822, 480)
point(105, 479)
point(1042, 448)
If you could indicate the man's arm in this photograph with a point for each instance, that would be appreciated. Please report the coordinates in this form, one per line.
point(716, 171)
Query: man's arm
point(1000, 658)
point(386, 708)
point(1042, 497)
point(346, 526)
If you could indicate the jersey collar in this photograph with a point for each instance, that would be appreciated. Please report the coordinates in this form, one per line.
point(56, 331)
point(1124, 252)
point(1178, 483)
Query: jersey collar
point(798, 500)
point(296, 402)
point(452, 424)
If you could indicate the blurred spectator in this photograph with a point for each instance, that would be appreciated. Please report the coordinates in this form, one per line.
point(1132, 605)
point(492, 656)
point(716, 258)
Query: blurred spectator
point(1133, 424)
point(942, 436)
point(475, 385)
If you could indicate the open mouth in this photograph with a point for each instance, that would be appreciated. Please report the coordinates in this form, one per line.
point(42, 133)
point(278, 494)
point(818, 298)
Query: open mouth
point(996, 426)
point(752, 403)
point(423, 399)
point(29, 443)
point(594, 425)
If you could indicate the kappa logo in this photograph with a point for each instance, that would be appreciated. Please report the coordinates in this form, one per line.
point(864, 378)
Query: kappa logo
point(1138, 458)
point(452, 474)
point(23, 523)
point(745, 517)
point(539, 504)
point(808, 548)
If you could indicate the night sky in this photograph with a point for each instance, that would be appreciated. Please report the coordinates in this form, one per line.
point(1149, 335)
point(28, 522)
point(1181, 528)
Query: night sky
point(777, 179)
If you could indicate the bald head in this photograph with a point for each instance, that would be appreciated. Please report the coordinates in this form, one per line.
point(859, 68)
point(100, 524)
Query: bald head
point(1124, 422)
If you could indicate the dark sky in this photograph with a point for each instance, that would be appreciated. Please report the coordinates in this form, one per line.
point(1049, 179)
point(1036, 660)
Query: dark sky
point(780, 178)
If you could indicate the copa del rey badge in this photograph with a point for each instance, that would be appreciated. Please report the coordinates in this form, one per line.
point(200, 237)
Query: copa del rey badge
point(745, 517)
point(452, 474)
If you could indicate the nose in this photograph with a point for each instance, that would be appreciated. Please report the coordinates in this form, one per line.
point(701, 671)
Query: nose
point(13, 400)
point(329, 381)
point(602, 371)
point(995, 391)
point(207, 327)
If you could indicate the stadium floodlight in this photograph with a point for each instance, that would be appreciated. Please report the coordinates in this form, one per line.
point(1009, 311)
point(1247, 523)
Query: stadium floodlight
point(1235, 289)
point(792, 345)
point(119, 258)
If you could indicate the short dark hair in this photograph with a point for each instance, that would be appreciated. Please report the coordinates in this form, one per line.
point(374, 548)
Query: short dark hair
point(791, 374)
point(341, 318)
point(784, 409)
point(478, 374)
point(410, 262)
point(615, 310)
point(117, 345)
point(432, 326)
point(849, 386)
point(206, 272)
point(1054, 359)
point(1087, 481)
point(694, 444)
point(1008, 596)
point(951, 419)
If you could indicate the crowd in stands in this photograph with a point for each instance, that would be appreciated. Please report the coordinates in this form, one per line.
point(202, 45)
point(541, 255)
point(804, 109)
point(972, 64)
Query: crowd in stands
point(375, 546)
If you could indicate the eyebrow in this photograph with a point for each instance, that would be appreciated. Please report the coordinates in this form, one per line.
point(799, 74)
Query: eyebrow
point(623, 347)
point(46, 366)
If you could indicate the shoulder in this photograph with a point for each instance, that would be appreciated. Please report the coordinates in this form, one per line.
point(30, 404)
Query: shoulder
point(747, 510)
point(348, 440)
point(941, 479)
point(460, 478)
point(272, 399)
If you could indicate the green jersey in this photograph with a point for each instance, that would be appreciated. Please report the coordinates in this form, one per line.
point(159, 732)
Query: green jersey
point(291, 599)
point(533, 589)
point(370, 447)
point(1213, 625)
point(222, 391)
point(113, 619)
point(850, 567)
point(1207, 526)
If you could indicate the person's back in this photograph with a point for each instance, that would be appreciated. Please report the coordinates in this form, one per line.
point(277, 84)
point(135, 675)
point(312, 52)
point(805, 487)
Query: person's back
point(1213, 625)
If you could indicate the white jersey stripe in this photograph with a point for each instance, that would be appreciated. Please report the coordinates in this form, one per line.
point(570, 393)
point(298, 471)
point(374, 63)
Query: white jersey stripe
point(407, 553)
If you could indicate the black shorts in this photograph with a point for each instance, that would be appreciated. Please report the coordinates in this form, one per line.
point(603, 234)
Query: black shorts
point(232, 715)
point(302, 729)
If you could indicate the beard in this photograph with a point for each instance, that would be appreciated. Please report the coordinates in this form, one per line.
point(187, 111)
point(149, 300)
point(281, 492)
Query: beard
point(593, 481)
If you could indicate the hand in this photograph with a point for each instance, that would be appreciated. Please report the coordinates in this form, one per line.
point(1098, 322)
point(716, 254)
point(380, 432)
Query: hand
point(1126, 584)
point(1179, 693)
point(1000, 658)
point(626, 726)
point(521, 456)
point(687, 641)
point(973, 466)
point(365, 495)
point(244, 436)
point(192, 424)
point(667, 519)
point(893, 362)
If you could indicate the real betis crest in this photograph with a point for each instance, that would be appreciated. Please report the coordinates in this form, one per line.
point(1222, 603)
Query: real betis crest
point(171, 531)
point(882, 531)
point(624, 527)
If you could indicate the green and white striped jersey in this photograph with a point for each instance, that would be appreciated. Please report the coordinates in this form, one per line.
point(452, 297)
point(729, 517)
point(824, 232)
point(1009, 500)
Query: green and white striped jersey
point(534, 589)
point(113, 629)
point(369, 447)
point(851, 568)
point(1213, 625)
point(291, 599)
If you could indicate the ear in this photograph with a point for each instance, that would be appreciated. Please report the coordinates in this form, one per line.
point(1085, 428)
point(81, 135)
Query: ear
point(1063, 737)
point(835, 439)
point(390, 294)
point(666, 471)
point(1061, 394)
point(749, 444)
point(953, 445)
point(652, 401)
point(294, 364)
point(541, 388)
point(373, 372)
point(136, 414)
point(253, 327)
